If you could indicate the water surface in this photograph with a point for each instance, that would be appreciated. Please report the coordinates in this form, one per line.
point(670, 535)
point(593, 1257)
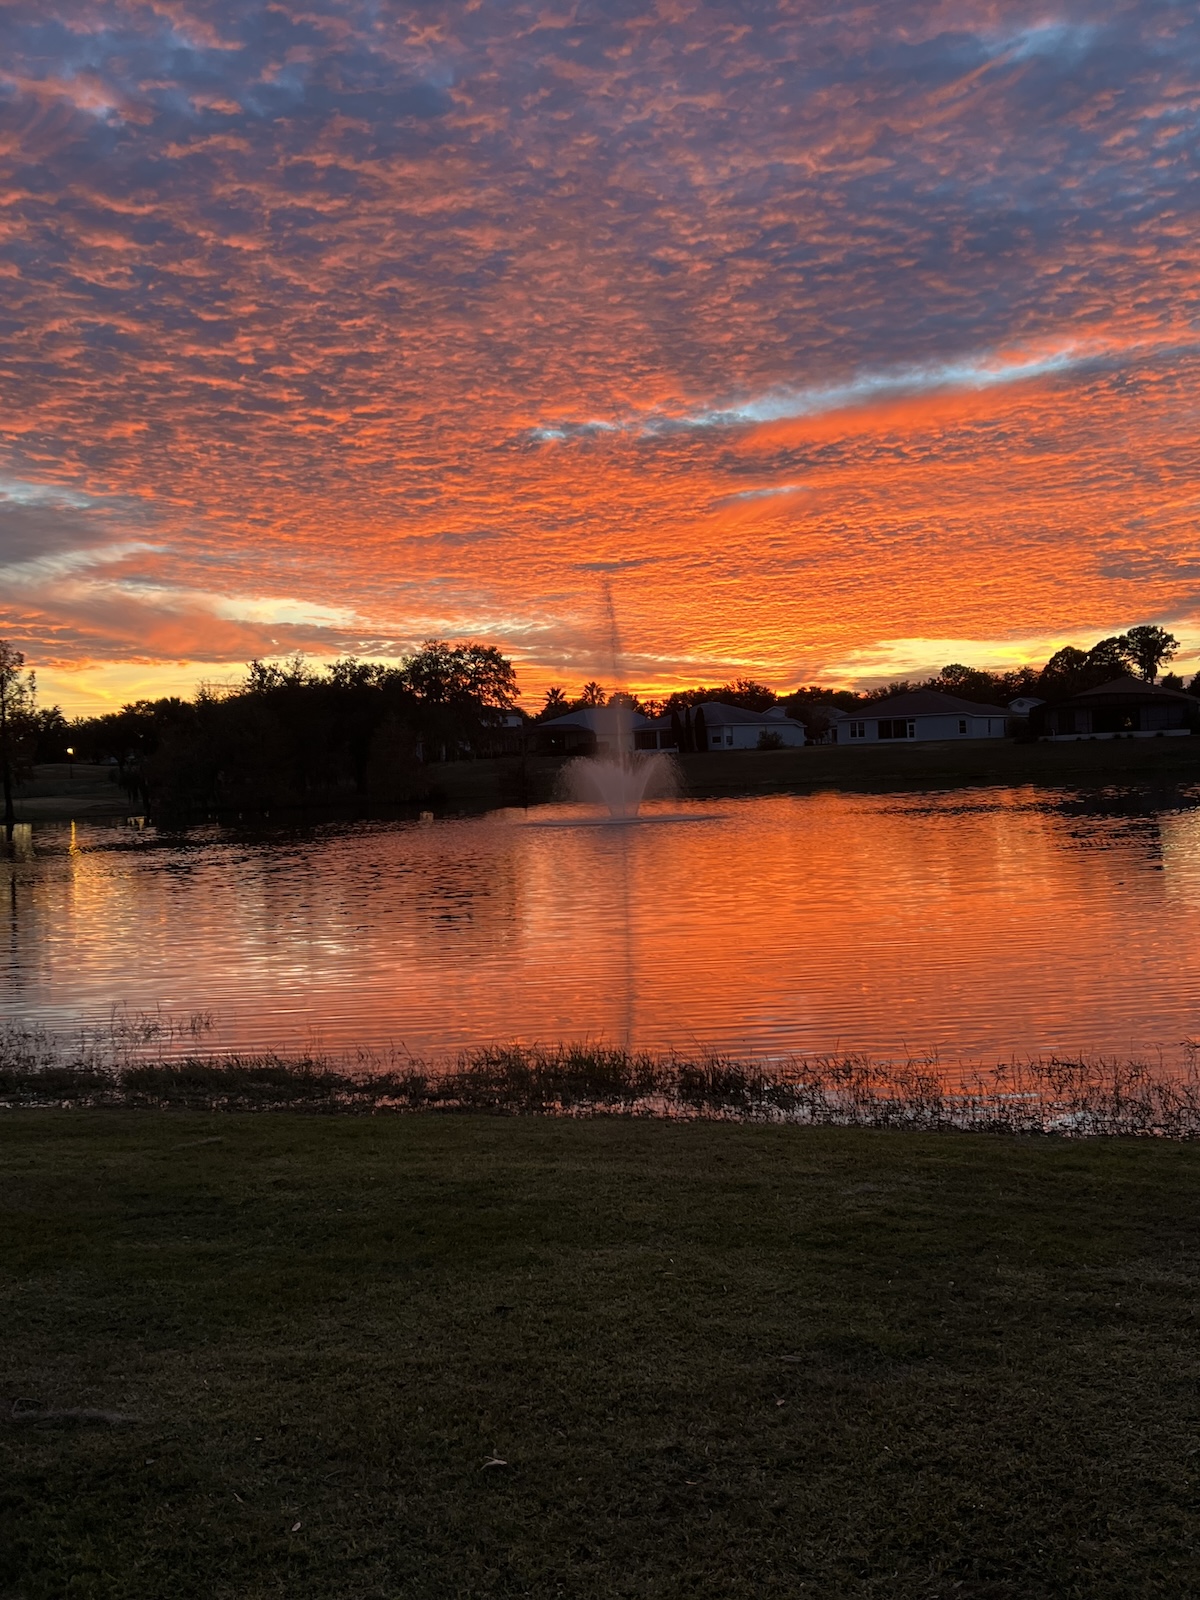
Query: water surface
point(975, 925)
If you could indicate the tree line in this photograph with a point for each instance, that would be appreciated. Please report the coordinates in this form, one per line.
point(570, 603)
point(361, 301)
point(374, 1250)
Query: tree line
point(1140, 652)
point(290, 732)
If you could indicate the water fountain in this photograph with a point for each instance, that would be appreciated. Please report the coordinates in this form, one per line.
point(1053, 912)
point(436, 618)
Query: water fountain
point(619, 776)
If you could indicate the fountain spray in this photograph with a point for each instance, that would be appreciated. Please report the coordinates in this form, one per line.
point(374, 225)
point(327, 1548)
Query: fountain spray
point(622, 777)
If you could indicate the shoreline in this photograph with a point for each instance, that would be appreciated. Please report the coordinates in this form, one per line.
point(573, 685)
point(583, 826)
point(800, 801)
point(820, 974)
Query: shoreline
point(1081, 1098)
point(89, 793)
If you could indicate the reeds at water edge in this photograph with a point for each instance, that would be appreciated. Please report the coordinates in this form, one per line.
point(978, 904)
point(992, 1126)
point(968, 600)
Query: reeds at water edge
point(1083, 1097)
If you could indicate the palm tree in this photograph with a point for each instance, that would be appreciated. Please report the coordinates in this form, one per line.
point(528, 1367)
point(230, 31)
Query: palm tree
point(555, 704)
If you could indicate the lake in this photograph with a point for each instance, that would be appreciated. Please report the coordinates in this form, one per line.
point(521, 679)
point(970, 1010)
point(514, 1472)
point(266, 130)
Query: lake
point(974, 925)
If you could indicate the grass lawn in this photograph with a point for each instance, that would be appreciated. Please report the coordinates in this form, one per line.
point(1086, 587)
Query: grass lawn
point(716, 1361)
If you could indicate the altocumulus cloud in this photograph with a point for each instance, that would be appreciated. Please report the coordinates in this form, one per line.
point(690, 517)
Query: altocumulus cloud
point(289, 290)
point(861, 389)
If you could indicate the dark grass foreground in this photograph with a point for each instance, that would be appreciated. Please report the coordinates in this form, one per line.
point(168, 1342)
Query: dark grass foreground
point(372, 1358)
point(1073, 1097)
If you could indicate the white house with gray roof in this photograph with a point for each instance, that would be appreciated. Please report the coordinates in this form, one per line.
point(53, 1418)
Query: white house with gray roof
point(734, 728)
point(921, 714)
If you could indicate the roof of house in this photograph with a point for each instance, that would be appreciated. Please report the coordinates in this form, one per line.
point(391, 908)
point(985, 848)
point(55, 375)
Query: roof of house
point(928, 703)
point(718, 711)
point(597, 719)
point(1128, 686)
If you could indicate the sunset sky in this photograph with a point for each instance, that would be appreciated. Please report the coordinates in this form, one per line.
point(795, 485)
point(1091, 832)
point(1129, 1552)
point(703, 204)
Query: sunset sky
point(847, 339)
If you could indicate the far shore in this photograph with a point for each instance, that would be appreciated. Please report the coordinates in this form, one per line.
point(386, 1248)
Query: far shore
point(60, 792)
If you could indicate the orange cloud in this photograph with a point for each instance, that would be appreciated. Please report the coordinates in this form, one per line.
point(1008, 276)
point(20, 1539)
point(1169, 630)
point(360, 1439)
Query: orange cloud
point(423, 325)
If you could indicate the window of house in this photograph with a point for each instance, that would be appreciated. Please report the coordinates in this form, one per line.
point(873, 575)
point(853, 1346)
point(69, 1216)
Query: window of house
point(897, 728)
point(858, 730)
point(962, 724)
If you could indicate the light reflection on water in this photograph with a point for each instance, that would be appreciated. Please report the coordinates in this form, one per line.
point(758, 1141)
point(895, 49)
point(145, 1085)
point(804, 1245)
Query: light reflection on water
point(973, 925)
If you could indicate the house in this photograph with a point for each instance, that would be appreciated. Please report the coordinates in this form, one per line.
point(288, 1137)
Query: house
point(597, 730)
point(734, 728)
point(922, 714)
point(1126, 708)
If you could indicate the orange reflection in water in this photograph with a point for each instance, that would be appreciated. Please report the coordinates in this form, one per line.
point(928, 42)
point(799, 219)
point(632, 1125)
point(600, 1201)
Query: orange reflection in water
point(973, 926)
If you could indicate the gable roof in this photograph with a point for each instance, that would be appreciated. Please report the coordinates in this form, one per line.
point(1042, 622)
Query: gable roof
point(927, 703)
point(718, 711)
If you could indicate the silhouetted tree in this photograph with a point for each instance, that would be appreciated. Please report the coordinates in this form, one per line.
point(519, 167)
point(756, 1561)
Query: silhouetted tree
point(475, 674)
point(689, 732)
point(594, 695)
point(897, 686)
point(1148, 647)
point(814, 694)
point(700, 729)
point(17, 697)
point(621, 697)
point(268, 677)
point(50, 733)
point(555, 704)
point(748, 694)
point(1111, 657)
point(1065, 674)
point(290, 732)
point(458, 691)
point(816, 723)
point(742, 692)
point(676, 730)
point(982, 686)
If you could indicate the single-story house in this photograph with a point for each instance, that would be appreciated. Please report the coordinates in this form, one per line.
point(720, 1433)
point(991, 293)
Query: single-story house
point(922, 714)
point(594, 730)
point(734, 728)
point(1125, 708)
point(597, 730)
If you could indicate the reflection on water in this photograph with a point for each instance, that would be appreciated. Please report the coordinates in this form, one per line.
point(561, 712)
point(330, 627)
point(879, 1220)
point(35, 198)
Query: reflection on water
point(972, 925)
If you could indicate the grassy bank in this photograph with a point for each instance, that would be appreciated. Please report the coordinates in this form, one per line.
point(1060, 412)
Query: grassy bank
point(64, 790)
point(368, 1358)
point(946, 765)
point(1090, 1097)
point(877, 768)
